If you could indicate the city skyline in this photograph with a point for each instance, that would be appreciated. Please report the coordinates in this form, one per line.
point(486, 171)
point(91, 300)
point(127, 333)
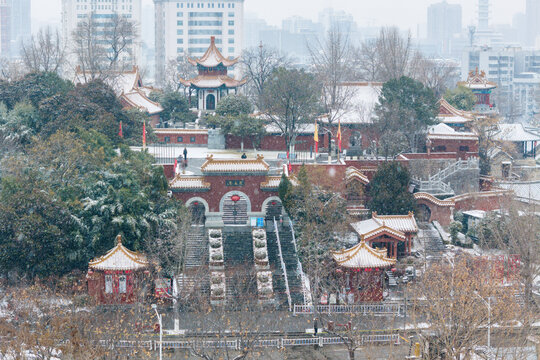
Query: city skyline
point(382, 13)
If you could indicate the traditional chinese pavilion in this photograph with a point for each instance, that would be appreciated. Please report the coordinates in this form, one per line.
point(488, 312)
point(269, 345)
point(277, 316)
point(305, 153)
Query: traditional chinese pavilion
point(395, 232)
point(118, 277)
point(212, 84)
point(481, 88)
point(362, 268)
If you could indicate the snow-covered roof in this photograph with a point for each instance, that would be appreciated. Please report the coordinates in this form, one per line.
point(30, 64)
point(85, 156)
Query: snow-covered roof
point(404, 223)
point(353, 173)
point(362, 256)
point(272, 182)
point(212, 165)
point(364, 96)
point(445, 132)
point(213, 81)
point(180, 131)
point(450, 115)
point(433, 199)
point(188, 183)
point(527, 192)
point(478, 214)
point(119, 258)
point(139, 100)
point(514, 133)
point(213, 57)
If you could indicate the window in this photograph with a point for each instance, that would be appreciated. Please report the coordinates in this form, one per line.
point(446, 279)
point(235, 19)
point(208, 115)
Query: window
point(231, 14)
point(180, 139)
point(231, 49)
point(204, 23)
point(180, 32)
point(179, 14)
point(167, 139)
point(231, 32)
point(180, 23)
point(440, 148)
point(179, 41)
point(231, 41)
point(108, 284)
point(231, 22)
point(203, 41)
point(122, 284)
point(205, 14)
point(192, 139)
point(204, 32)
point(179, 50)
point(463, 148)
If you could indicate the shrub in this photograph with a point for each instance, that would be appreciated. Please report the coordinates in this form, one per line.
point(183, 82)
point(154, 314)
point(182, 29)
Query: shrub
point(263, 278)
point(260, 244)
point(217, 257)
point(260, 254)
point(266, 291)
point(215, 243)
point(216, 279)
point(218, 292)
point(215, 234)
point(259, 235)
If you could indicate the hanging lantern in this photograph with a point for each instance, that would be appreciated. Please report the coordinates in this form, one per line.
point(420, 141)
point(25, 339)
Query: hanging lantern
point(235, 198)
point(273, 203)
point(196, 203)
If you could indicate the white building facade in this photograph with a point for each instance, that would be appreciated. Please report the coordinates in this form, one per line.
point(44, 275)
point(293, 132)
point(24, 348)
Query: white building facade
point(527, 94)
point(184, 28)
point(74, 11)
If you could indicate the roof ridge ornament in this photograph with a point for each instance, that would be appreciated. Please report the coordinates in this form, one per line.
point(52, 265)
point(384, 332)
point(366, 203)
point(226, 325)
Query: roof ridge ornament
point(118, 239)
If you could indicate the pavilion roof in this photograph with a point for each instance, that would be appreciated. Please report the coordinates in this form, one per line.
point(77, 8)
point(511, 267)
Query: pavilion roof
point(213, 81)
point(272, 182)
point(396, 226)
point(189, 183)
point(119, 258)
point(514, 133)
point(138, 99)
point(362, 256)
point(213, 57)
point(404, 223)
point(353, 173)
point(445, 132)
point(257, 165)
point(477, 81)
point(449, 114)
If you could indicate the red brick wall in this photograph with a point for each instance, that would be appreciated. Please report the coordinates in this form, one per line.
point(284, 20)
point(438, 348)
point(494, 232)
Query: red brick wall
point(252, 189)
point(442, 214)
point(487, 201)
point(271, 143)
point(200, 139)
point(454, 145)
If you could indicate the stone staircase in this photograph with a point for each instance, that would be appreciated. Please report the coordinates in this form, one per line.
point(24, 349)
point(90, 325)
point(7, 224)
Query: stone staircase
point(196, 248)
point(291, 264)
point(433, 244)
point(235, 213)
point(391, 279)
point(441, 183)
point(239, 265)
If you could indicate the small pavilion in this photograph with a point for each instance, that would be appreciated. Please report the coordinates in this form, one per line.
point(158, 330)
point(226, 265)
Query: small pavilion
point(362, 268)
point(118, 277)
point(395, 232)
point(482, 89)
point(212, 84)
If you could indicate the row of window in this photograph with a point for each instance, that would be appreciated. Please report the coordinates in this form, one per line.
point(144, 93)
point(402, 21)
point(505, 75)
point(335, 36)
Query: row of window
point(104, 1)
point(203, 32)
point(205, 23)
point(122, 282)
point(179, 139)
point(201, 5)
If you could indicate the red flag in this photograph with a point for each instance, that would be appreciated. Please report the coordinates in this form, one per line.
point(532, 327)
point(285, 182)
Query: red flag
point(144, 134)
point(120, 133)
point(316, 138)
point(339, 135)
point(175, 165)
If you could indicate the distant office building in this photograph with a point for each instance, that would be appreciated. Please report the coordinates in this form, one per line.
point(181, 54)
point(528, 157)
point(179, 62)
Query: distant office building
point(15, 26)
point(483, 15)
point(532, 13)
point(184, 27)
point(526, 95)
point(342, 22)
point(253, 26)
point(5, 27)
point(498, 66)
point(74, 11)
point(444, 23)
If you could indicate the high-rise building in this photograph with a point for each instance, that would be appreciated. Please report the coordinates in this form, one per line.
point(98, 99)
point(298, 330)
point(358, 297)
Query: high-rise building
point(185, 27)
point(532, 13)
point(15, 25)
point(102, 11)
point(444, 22)
point(5, 27)
point(483, 15)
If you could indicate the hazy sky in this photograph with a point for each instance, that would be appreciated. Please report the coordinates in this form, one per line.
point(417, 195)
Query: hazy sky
point(403, 13)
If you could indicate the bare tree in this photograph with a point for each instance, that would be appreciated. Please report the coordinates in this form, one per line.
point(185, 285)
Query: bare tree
point(176, 69)
point(438, 75)
point(458, 300)
point(44, 52)
point(11, 70)
point(259, 64)
point(390, 56)
point(103, 50)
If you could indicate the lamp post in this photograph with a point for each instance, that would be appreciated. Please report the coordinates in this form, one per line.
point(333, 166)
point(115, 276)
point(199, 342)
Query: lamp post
point(488, 303)
point(154, 306)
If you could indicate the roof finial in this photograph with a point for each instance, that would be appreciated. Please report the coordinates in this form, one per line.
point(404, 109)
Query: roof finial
point(212, 40)
point(119, 239)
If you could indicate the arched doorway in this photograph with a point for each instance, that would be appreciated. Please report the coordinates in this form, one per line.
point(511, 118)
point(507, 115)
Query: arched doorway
point(210, 102)
point(423, 213)
point(273, 209)
point(197, 210)
point(235, 209)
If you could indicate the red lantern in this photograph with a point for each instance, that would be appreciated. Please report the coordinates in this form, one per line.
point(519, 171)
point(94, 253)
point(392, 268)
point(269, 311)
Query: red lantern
point(196, 203)
point(273, 203)
point(368, 269)
point(235, 198)
point(393, 269)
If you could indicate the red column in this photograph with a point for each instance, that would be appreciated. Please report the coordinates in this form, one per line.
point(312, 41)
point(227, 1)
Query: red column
point(395, 250)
